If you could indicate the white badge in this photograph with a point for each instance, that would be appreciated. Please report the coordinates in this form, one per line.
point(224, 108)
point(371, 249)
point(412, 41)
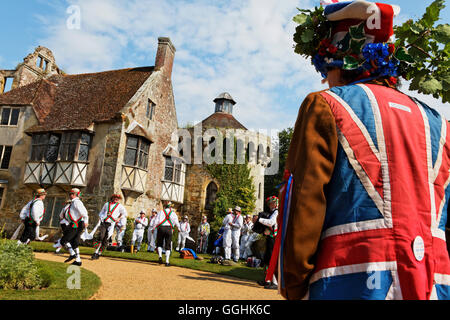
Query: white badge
point(419, 248)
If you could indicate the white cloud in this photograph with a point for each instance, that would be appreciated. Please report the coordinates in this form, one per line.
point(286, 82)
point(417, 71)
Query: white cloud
point(242, 47)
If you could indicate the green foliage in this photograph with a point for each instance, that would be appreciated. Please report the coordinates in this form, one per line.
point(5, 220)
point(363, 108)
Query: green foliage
point(424, 52)
point(18, 269)
point(422, 47)
point(236, 188)
point(270, 182)
point(128, 232)
point(312, 28)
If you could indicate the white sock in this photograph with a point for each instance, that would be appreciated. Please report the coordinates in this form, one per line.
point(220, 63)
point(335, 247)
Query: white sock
point(274, 280)
point(160, 252)
point(167, 256)
point(97, 250)
point(72, 253)
point(58, 249)
point(77, 252)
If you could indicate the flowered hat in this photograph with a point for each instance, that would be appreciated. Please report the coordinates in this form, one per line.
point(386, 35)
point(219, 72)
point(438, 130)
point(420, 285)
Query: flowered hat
point(349, 35)
point(272, 199)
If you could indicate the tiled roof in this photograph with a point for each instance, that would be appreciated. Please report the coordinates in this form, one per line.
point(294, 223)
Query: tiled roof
point(222, 120)
point(74, 102)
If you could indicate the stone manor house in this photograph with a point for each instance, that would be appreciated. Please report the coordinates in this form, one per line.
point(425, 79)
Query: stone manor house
point(106, 132)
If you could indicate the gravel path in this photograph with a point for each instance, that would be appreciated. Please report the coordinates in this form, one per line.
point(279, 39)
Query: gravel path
point(139, 280)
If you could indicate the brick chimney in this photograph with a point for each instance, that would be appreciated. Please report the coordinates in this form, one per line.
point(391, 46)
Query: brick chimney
point(165, 56)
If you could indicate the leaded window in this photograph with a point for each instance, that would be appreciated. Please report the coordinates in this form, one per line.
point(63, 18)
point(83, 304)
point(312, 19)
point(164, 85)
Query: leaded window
point(173, 170)
point(136, 152)
point(5, 156)
point(10, 116)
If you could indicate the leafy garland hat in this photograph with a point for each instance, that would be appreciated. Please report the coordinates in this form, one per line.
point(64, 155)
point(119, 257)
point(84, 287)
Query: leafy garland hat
point(359, 36)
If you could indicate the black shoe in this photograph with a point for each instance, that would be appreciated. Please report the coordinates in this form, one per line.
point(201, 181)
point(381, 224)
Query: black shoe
point(262, 283)
point(271, 286)
point(95, 256)
point(76, 263)
point(160, 261)
point(70, 258)
point(167, 264)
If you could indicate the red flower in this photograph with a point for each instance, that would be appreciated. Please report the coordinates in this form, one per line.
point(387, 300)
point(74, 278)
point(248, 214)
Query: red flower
point(322, 51)
point(391, 48)
point(392, 80)
point(332, 49)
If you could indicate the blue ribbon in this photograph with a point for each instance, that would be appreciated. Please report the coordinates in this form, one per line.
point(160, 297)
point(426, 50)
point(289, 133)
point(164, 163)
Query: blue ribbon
point(284, 227)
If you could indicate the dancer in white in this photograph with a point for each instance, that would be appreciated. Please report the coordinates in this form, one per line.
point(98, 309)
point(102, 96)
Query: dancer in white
point(63, 223)
point(111, 213)
point(232, 224)
point(140, 223)
point(185, 229)
point(151, 233)
point(31, 216)
point(121, 227)
point(166, 221)
point(78, 219)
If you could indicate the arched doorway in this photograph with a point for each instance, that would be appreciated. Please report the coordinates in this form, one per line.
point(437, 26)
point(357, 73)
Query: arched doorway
point(211, 195)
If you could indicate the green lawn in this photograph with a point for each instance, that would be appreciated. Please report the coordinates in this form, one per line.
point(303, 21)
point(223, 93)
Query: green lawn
point(240, 270)
point(58, 290)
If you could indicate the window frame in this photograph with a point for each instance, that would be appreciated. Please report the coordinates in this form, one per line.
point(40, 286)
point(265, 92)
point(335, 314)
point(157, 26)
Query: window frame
point(10, 115)
point(150, 111)
point(2, 154)
point(139, 152)
point(176, 166)
point(65, 141)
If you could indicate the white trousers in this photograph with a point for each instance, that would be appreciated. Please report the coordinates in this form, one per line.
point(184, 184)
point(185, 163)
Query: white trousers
point(231, 241)
point(181, 240)
point(242, 247)
point(138, 235)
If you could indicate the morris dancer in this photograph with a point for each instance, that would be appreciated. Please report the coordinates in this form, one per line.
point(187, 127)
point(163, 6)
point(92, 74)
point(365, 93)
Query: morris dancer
point(367, 172)
point(78, 219)
point(232, 224)
point(270, 233)
point(140, 223)
point(63, 223)
point(151, 233)
point(166, 221)
point(111, 213)
point(185, 228)
point(31, 216)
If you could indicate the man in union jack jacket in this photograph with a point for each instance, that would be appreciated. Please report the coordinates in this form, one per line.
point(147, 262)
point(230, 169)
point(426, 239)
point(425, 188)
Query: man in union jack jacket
point(367, 175)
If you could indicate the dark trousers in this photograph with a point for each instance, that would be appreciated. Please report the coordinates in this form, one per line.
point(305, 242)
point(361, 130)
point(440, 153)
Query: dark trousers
point(270, 243)
point(164, 237)
point(103, 235)
point(72, 235)
point(29, 232)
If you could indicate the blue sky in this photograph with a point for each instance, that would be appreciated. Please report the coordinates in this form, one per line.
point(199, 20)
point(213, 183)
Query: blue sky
point(241, 47)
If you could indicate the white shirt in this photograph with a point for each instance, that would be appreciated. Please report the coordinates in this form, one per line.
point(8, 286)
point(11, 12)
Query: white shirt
point(36, 213)
point(151, 223)
point(185, 227)
point(161, 216)
point(140, 224)
point(122, 223)
point(272, 221)
point(118, 212)
point(246, 228)
point(236, 221)
point(62, 215)
point(77, 211)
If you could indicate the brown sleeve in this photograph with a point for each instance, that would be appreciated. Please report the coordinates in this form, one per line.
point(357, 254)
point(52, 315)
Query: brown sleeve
point(311, 159)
